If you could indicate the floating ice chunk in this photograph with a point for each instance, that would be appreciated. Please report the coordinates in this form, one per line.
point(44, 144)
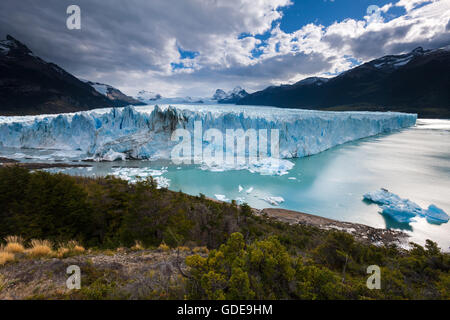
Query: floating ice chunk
point(399, 212)
point(292, 178)
point(221, 197)
point(112, 155)
point(162, 182)
point(436, 215)
point(133, 175)
point(267, 166)
point(404, 210)
point(249, 190)
point(240, 188)
point(275, 201)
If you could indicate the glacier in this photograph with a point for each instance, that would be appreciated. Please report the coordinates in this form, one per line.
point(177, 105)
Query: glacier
point(404, 210)
point(144, 132)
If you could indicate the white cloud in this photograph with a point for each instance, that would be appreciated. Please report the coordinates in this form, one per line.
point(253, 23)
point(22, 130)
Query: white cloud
point(134, 45)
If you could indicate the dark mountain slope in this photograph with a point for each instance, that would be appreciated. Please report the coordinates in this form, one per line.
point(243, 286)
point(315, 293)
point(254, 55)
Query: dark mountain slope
point(416, 82)
point(30, 85)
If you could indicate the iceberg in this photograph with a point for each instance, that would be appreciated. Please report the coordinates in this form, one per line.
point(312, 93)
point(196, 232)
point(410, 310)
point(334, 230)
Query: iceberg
point(275, 201)
point(404, 210)
point(221, 197)
point(436, 215)
point(144, 132)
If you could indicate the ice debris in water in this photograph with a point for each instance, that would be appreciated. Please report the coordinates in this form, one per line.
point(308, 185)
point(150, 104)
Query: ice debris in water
point(275, 201)
point(404, 210)
point(134, 175)
point(221, 197)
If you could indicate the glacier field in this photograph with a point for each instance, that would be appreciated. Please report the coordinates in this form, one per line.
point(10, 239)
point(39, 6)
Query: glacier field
point(145, 132)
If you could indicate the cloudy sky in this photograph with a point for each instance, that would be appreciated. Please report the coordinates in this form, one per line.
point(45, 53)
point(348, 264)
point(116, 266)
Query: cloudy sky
point(193, 47)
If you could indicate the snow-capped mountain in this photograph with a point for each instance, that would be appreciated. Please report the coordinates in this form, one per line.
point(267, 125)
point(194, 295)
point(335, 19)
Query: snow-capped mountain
point(415, 82)
point(219, 95)
point(113, 94)
point(147, 97)
point(229, 97)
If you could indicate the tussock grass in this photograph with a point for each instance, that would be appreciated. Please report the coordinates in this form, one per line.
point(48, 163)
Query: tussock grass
point(184, 248)
point(62, 252)
point(40, 248)
point(163, 247)
point(6, 257)
point(137, 246)
point(70, 248)
point(75, 247)
point(14, 244)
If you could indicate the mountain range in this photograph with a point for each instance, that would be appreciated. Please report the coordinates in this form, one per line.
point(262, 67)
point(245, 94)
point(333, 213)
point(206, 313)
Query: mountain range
point(232, 96)
point(417, 82)
point(30, 85)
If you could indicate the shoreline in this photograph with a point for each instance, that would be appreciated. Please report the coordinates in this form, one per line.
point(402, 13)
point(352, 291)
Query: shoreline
point(361, 232)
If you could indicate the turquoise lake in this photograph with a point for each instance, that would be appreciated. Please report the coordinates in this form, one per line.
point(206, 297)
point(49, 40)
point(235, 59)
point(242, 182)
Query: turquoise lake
point(413, 163)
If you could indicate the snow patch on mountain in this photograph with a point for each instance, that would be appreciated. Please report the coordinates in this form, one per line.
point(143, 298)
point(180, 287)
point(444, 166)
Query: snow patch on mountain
point(148, 96)
point(229, 97)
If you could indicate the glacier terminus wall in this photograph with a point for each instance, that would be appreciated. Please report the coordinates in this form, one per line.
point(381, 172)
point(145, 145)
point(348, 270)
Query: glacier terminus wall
point(145, 132)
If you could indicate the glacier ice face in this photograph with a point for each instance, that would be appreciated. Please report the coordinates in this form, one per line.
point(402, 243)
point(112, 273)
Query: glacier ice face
point(404, 210)
point(145, 132)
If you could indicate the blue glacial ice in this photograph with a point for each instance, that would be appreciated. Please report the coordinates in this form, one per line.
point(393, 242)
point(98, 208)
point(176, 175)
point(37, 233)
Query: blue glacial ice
point(404, 210)
point(145, 132)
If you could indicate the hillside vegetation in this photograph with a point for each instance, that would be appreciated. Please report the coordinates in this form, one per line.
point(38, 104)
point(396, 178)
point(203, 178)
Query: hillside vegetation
point(249, 256)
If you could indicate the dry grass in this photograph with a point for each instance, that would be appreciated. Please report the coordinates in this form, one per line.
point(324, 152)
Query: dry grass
point(200, 250)
point(40, 248)
point(6, 257)
point(62, 252)
point(184, 248)
point(70, 248)
point(137, 246)
point(75, 247)
point(163, 247)
point(14, 244)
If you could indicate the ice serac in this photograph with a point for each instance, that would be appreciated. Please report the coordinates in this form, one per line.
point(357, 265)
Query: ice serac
point(145, 132)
